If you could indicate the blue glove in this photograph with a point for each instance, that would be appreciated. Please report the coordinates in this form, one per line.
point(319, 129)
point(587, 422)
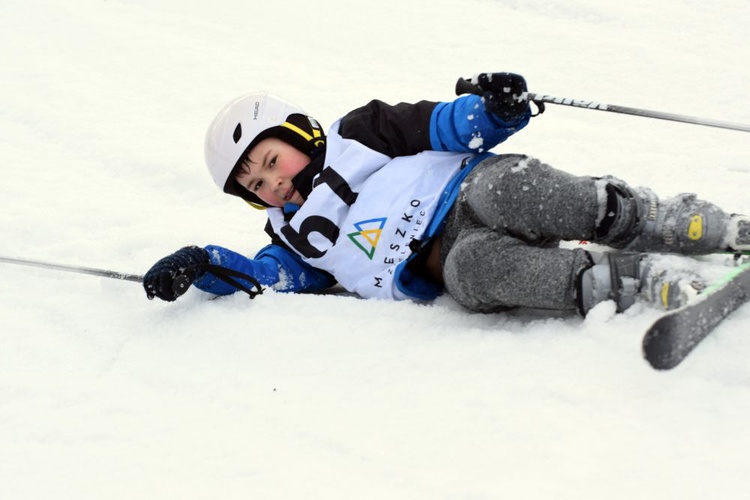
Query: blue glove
point(502, 93)
point(171, 276)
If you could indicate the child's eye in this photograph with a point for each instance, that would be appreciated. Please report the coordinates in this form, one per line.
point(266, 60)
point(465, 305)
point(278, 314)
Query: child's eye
point(257, 185)
point(272, 163)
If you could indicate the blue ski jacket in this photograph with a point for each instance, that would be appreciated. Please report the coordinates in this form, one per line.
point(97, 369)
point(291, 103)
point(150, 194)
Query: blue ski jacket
point(459, 126)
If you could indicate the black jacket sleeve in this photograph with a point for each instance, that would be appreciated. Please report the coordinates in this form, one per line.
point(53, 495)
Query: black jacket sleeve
point(400, 130)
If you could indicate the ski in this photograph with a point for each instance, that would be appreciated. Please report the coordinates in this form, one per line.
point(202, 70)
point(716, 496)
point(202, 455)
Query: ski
point(674, 336)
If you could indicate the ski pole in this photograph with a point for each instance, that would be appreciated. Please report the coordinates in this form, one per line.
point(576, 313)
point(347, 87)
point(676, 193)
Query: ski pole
point(74, 269)
point(180, 285)
point(464, 86)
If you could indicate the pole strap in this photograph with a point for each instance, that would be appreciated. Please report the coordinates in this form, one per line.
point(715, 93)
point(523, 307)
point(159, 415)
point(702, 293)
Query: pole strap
point(225, 274)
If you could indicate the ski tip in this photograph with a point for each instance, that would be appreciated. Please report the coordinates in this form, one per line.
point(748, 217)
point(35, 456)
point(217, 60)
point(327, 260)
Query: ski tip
point(664, 346)
point(659, 345)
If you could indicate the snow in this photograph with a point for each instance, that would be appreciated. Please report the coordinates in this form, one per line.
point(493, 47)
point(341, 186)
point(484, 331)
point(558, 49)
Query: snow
point(104, 394)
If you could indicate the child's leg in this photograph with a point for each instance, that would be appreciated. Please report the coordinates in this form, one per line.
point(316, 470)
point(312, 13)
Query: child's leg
point(536, 203)
point(532, 201)
point(487, 271)
point(500, 246)
point(500, 243)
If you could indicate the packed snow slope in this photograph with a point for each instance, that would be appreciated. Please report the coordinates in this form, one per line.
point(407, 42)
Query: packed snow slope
point(104, 394)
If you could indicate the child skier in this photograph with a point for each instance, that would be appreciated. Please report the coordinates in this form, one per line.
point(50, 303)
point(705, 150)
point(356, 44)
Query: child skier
point(405, 201)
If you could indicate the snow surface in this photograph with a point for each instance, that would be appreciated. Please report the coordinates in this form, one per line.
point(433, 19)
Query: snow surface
point(104, 394)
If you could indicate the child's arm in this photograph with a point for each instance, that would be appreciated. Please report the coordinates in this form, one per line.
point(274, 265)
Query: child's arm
point(463, 125)
point(273, 266)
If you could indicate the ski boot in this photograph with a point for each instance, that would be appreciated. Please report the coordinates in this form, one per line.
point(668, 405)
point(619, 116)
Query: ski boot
point(637, 220)
point(627, 278)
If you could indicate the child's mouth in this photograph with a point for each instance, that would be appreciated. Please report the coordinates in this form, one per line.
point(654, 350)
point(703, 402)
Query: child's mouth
point(289, 194)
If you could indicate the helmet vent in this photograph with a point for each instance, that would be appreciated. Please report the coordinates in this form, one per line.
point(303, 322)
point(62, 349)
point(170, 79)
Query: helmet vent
point(237, 133)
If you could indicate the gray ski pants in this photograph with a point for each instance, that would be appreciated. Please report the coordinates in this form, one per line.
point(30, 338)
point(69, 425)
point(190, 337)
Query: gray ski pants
point(500, 246)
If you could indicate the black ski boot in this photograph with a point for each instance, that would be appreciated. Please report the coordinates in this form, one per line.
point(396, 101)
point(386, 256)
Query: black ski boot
point(637, 220)
point(629, 277)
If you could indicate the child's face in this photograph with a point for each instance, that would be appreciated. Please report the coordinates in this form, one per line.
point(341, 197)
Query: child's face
point(269, 172)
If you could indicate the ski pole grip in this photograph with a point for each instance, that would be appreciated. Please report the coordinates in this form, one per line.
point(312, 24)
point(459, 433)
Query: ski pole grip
point(464, 86)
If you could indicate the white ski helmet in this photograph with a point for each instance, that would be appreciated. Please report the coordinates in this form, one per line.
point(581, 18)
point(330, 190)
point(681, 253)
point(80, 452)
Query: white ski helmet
point(246, 121)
